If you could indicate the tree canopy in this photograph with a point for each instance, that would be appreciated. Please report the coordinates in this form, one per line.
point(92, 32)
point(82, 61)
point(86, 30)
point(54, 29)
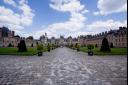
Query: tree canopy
point(105, 46)
point(22, 46)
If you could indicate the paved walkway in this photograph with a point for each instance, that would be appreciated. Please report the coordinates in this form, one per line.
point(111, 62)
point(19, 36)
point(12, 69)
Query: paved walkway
point(63, 66)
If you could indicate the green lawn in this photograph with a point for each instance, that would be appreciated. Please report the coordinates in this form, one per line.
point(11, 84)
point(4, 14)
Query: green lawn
point(14, 51)
point(114, 51)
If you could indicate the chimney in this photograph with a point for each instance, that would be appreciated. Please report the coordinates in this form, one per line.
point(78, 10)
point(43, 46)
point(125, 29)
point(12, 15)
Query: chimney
point(13, 33)
point(9, 34)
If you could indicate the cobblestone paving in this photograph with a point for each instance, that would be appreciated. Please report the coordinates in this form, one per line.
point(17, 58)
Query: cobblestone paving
point(63, 66)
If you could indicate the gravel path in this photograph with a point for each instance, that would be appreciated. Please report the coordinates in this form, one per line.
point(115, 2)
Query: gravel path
point(63, 66)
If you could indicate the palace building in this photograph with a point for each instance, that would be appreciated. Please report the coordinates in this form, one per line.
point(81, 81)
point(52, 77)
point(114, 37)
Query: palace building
point(117, 38)
point(7, 37)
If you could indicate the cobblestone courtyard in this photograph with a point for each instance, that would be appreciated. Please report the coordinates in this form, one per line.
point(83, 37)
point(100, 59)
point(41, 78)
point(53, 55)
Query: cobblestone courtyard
point(63, 66)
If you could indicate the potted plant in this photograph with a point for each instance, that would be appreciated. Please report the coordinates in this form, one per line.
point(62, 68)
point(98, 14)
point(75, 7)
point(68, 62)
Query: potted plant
point(77, 46)
point(40, 49)
point(71, 45)
point(49, 47)
point(90, 47)
point(53, 46)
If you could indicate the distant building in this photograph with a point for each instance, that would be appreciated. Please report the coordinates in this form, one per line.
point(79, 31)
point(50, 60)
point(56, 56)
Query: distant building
point(30, 42)
point(53, 40)
point(7, 37)
point(69, 40)
point(118, 38)
point(44, 39)
point(81, 40)
point(61, 41)
point(75, 40)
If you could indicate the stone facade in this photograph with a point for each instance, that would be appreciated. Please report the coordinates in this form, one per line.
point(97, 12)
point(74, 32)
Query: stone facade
point(81, 40)
point(7, 38)
point(116, 37)
point(44, 39)
point(30, 42)
point(69, 40)
point(61, 41)
point(53, 40)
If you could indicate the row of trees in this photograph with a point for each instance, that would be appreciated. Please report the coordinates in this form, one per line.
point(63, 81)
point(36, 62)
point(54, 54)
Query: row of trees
point(49, 47)
point(104, 47)
point(40, 47)
point(74, 46)
point(111, 45)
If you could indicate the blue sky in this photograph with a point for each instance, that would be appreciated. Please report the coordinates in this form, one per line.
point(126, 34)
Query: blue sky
point(62, 17)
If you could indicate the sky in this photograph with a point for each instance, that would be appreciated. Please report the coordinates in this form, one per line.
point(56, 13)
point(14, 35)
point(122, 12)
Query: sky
point(62, 17)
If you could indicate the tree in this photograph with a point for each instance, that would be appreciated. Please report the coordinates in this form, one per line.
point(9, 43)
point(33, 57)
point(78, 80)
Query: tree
point(71, 45)
point(22, 46)
point(18, 45)
point(84, 45)
point(49, 47)
point(77, 46)
point(90, 47)
point(96, 45)
point(32, 45)
point(36, 43)
point(53, 46)
point(111, 45)
point(40, 49)
point(105, 46)
point(10, 45)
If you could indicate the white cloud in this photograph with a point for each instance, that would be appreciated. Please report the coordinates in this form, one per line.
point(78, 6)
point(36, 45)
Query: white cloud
point(90, 29)
point(27, 16)
point(49, 33)
point(111, 6)
point(76, 25)
point(73, 24)
point(98, 26)
point(78, 33)
point(101, 26)
point(76, 20)
point(7, 16)
point(10, 2)
point(96, 13)
point(67, 5)
point(16, 21)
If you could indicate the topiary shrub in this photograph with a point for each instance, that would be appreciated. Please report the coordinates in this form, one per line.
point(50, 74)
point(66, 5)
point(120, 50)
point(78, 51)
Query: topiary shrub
point(32, 45)
point(84, 45)
point(49, 47)
point(10, 45)
point(53, 46)
point(71, 45)
point(77, 46)
point(96, 46)
point(22, 46)
point(90, 47)
point(105, 46)
point(40, 49)
point(111, 45)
